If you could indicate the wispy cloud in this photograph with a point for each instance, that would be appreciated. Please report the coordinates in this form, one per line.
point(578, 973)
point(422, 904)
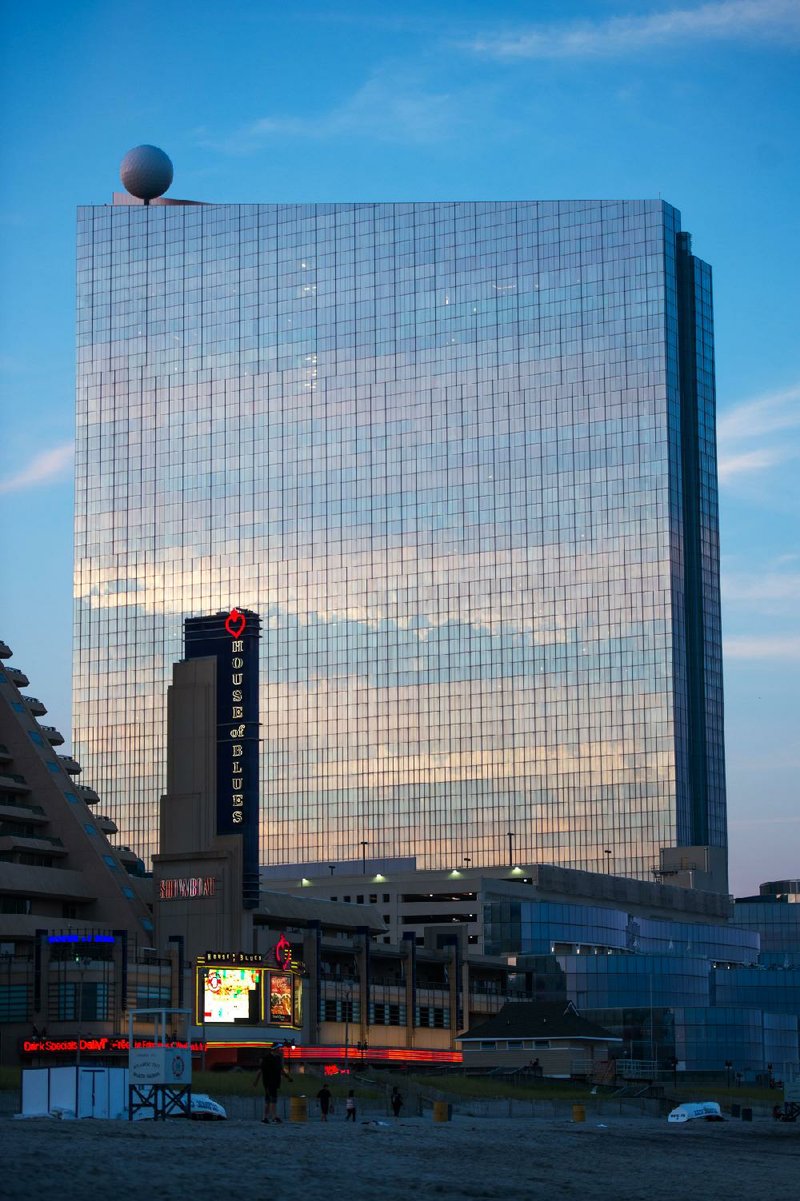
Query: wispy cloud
point(749, 460)
point(762, 821)
point(767, 646)
point(768, 414)
point(729, 21)
point(48, 467)
point(387, 108)
point(763, 606)
point(770, 419)
point(782, 588)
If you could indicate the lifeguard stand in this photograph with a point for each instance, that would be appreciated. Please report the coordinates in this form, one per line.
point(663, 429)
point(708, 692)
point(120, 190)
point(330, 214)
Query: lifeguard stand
point(160, 1066)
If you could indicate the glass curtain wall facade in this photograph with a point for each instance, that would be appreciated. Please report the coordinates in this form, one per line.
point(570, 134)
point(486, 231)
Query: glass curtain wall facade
point(460, 458)
point(775, 914)
point(695, 991)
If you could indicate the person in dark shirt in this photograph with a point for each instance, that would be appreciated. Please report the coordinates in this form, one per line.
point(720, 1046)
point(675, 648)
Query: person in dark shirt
point(271, 1072)
point(396, 1101)
point(324, 1096)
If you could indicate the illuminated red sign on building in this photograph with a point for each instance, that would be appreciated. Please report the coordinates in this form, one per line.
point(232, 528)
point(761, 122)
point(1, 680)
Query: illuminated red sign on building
point(235, 623)
point(283, 952)
point(187, 886)
point(100, 1046)
point(105, 1046)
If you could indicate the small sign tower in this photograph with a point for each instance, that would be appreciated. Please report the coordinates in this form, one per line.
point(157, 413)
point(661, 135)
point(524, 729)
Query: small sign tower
point(160, 1065)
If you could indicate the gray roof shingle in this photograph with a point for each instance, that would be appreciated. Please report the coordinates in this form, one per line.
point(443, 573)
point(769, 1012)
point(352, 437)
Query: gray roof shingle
point(538, 1019)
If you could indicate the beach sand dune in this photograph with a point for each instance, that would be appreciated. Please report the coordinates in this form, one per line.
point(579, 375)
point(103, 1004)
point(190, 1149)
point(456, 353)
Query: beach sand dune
point(624, 1159)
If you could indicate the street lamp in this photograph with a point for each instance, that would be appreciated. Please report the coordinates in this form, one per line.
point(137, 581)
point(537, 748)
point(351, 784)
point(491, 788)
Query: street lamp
point(510, 837)
point(728, 1070)
point(364, 845)
point(607, 853)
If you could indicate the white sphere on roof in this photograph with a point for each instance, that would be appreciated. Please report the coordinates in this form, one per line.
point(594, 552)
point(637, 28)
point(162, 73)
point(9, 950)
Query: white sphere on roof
point(146, 172)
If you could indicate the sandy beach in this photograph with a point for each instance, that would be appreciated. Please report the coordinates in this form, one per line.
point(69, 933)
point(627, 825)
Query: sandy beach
point(624, 1159)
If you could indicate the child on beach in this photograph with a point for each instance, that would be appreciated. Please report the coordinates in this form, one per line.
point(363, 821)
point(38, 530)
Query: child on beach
point(350, 1107)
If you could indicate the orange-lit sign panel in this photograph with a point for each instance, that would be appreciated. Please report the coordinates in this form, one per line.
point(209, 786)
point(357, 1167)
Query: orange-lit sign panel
point(280, 998)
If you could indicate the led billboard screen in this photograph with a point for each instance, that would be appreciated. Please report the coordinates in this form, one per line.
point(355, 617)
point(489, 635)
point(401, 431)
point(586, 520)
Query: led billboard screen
point(231, 994)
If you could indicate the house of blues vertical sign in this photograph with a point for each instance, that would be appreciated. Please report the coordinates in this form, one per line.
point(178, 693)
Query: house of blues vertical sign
point(232, 639)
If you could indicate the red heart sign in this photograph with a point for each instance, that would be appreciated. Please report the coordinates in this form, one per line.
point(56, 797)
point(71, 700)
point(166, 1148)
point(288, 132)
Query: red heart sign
point(235, 623)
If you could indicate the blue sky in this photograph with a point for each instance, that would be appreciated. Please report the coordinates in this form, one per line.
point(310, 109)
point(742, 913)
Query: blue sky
point(266, 101)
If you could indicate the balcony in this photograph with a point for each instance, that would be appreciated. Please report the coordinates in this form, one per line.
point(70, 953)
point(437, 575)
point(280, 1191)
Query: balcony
point(37, 707)
point(12, 810)
point(5, 650)
point(12, 782)
point(125, 855)
point(42, 843)
point(87, 794)
point(130, 861)
point(106, 824)
point(5, 753)
point(70, 765)
point(17, 677)
point(53, 736)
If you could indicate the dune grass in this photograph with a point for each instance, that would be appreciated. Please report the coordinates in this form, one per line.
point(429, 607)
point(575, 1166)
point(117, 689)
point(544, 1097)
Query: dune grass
point(455, 1086)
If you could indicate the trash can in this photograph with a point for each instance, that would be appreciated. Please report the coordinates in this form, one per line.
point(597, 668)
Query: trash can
point(578, 1113)
point(747, 1114)
point(298, 1109)
point(441, 1111)
point(736, 1110)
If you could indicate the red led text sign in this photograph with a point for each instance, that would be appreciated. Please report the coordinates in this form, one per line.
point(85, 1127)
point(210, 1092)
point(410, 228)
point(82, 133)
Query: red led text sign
point(56, 1046)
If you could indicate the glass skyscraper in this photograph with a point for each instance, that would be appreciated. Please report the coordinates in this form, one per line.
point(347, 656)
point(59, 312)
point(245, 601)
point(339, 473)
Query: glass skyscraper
point(460, 457)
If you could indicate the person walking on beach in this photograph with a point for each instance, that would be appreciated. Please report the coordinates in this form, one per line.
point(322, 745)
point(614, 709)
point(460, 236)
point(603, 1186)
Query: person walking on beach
point(271, 1071)
point(396, 1101)
point(350, 1107)
point(324, 1097)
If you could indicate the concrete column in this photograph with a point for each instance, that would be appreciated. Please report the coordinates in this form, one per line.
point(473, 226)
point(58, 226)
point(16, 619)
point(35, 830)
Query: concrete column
point(455, 983)
point(410, 945)
point(311, 994)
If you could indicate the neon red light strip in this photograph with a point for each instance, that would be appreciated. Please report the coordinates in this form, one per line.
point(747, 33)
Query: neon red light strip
point(377, 1054)
point(349, 1054)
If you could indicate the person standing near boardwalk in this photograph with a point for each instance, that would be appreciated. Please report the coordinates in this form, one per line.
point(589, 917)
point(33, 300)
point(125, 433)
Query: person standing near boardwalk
point(324, 1096)
point(271, 1071)
point(350, 1107)
point(396, 1101)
